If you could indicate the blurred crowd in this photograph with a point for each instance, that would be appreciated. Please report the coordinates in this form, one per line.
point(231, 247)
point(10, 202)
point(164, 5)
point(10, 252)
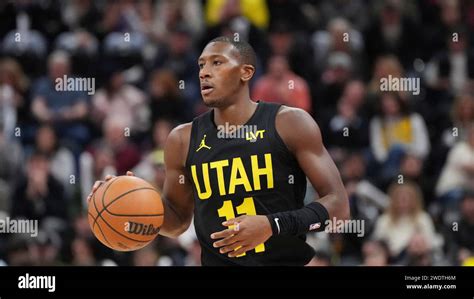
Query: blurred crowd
point(406, 158)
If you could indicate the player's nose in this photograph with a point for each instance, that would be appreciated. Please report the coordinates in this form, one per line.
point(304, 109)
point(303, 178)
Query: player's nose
point(204, 72)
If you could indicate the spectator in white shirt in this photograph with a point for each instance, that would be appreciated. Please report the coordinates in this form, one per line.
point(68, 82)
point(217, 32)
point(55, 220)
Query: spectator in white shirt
point(458, 171)
point(404, 218)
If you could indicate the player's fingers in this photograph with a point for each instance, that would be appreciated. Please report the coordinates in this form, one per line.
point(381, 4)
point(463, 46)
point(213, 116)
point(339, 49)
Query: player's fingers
point(223, 234)
point(240, 250)
point(130, 173)
point(232, 247)
point(96, 186)
point(226, 241)
point(109, 177)
point(233, 221)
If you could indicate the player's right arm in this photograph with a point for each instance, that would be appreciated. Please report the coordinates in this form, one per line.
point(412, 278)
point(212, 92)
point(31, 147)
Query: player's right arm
point(177, 190)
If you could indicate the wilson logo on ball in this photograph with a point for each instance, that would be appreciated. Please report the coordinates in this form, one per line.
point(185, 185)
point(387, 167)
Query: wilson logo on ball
point(141, 229)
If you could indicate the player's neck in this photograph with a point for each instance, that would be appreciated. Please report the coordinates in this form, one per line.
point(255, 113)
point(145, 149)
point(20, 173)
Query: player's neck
point(235, 114)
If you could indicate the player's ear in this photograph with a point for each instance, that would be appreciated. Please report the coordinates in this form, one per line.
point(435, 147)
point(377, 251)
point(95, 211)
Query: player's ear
point(246, 72)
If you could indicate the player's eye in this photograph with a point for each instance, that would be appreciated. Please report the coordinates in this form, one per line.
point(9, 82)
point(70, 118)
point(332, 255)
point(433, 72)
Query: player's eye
point(201, 65)
point(217, 62)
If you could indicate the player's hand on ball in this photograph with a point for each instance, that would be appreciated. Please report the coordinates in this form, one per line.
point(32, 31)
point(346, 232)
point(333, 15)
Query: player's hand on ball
point(97, 184)
point(244, 233)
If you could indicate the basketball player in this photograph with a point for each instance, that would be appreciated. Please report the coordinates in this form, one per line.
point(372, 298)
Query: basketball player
point(246, 192)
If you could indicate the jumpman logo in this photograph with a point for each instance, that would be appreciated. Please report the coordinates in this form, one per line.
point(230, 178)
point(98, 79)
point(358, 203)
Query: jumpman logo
point(203, 144)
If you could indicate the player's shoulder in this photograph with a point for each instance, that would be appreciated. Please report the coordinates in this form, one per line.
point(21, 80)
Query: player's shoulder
point(180, 133)
point(183, 128)
point(295, 126)
point(177, 143)
point(179, 137)
point(294, 118)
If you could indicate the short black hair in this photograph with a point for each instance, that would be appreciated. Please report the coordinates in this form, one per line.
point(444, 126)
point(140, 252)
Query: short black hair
point(247, 53)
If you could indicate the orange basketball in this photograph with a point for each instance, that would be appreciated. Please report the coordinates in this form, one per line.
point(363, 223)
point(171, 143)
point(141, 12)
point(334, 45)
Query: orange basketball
point(126, 213)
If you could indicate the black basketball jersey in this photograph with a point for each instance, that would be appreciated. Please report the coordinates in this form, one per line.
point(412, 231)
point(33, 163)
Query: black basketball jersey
point(247, 172)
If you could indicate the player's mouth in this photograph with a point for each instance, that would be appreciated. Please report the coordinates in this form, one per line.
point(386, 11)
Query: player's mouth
point(206, 89)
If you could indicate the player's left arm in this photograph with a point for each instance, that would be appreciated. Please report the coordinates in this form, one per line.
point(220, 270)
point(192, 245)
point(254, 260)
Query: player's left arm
point(302, 136)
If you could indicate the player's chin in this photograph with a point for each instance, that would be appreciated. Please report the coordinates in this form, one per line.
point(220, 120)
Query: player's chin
point(211, 102)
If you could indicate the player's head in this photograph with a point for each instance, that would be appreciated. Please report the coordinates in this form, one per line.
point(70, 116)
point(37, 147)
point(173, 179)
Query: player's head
point(226, 67)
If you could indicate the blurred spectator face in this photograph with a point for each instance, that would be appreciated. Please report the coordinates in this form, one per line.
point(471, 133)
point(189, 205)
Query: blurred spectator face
point(281, 42)
point(81, 227)
point(230, 9)
point(450, 14)
point(162, 84)
point(341, 74)
point(338, 69)
point(346, 110)
point(411, 166)
point(390, 15)
point(84, 39)
point(179, 43)
point(146, 256)
point(354, 93)
point(6, 76)
point(117, 80)
point(390, 106)
point(278, 67)
point(82, 253)
point(58, 65)
point(464, 109)
point(405, 200)
point(387, 65)
point(161, 130)
point(353, 168)
point(375, 254)
point(467, 209)
point(19, 253)
point(46, 139)
point(173, 14)
point(337, 28)
point(11, 74)
point(48, 254)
